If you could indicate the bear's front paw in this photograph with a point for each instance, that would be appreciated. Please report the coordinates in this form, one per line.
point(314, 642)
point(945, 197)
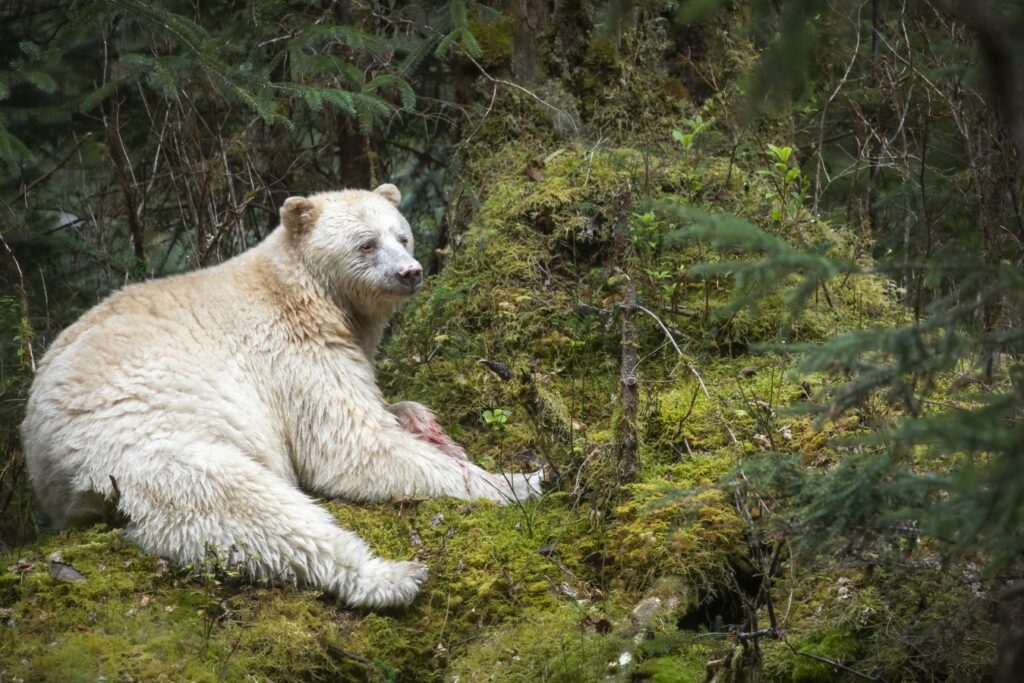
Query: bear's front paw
point(519, 487)
point(527, 486)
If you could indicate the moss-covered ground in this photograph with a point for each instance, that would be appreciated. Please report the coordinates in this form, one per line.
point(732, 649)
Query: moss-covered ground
point(547, 590)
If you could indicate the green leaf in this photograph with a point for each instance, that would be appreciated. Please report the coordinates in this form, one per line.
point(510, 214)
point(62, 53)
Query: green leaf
point(340, 99)
point(459, 14)
point(161, 80)
point(407, 95)
point(411, 61)
point(12, 150)
point(370, 110)
point(405, 92)
point(313, 99)
point(137, 59)
point(780, 153)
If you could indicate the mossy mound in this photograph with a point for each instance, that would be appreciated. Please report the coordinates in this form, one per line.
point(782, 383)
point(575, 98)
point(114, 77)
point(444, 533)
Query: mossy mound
point(522, 323)
point(133, 618)
point(504, 580)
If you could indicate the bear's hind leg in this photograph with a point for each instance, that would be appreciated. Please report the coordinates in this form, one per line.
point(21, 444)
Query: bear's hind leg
point(179, 509)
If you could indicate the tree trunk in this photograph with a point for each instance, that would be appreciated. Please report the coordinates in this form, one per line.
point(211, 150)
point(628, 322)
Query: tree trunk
point(629, 390)
point(529, 21)
point(356, 158)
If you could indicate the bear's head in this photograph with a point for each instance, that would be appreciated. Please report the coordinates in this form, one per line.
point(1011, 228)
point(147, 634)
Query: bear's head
point(357, 245)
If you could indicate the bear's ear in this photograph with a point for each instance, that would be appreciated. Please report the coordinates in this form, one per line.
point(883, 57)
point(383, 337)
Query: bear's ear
point(390, 193)
point(298, 215)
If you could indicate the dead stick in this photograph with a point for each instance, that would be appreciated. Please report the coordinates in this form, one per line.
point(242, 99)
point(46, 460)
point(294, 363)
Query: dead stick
point(629, 387)
point(689, 366)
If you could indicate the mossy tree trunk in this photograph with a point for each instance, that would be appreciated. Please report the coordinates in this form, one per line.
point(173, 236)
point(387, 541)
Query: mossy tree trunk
point(530, 19)
point(627, 466)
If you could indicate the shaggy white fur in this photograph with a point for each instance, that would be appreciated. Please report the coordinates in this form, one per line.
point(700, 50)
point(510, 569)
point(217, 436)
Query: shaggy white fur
point(201, 404)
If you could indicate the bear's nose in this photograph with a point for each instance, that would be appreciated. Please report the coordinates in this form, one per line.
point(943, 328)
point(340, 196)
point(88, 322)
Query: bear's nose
point(411, 275)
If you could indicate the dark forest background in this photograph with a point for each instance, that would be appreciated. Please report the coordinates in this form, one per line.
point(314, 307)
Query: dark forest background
point(779, 154)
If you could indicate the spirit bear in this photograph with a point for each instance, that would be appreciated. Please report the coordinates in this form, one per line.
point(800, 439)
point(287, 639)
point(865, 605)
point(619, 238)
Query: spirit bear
point(203, 405)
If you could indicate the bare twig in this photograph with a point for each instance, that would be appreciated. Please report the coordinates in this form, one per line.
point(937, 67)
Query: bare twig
point(996, 44)
point(126, 177)
point(520, 88)
point(831, 662)
point(824, 112)
point(26, 337)
point(60, 164)
point(689, 366)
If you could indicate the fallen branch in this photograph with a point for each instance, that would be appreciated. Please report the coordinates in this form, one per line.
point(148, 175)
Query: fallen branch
point(831, 662)
point(770, 632)
point(338, 650)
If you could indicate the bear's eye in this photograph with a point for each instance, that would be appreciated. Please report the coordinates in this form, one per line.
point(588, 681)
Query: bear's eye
point(403, 240)
point(367, 247)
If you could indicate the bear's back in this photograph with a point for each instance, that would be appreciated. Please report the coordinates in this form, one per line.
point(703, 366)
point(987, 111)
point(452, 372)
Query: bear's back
point(150, 356)
point(182, 313)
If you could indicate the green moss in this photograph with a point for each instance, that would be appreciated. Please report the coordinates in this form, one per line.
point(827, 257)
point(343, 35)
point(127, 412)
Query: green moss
point(494, 37)
point(675, 523)
point(881, 624)
point(131, 618)
point(487, 569)
point(838, 646)
point(559, 645)
point(674, 670)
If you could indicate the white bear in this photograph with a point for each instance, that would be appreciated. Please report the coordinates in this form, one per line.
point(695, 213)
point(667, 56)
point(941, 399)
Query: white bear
point(201, 404)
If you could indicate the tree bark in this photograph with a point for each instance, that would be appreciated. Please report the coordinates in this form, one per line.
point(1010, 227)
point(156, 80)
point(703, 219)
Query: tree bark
point(529, 20)
point(629, 390)
point(356, 158)
point(1010, 647)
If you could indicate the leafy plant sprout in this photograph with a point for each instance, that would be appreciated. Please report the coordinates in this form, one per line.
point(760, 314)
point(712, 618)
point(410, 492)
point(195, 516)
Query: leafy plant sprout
point(497, 419)
point(688, 137)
